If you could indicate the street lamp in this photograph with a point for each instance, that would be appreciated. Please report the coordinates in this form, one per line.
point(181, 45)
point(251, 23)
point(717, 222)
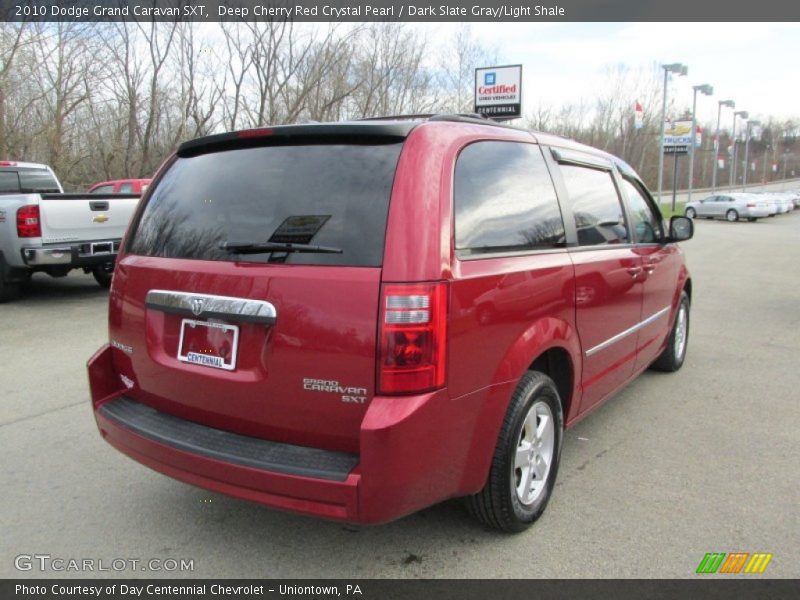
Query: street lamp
point(708, 91)
point(739, 113)
point(729, 104)
point(746, 148)
point(680, 70)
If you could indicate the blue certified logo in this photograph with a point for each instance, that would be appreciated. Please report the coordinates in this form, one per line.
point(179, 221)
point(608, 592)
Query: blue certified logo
point(489, 78)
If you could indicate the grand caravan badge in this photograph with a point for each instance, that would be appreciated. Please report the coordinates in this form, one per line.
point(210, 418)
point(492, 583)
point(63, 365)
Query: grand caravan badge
point(355, 395)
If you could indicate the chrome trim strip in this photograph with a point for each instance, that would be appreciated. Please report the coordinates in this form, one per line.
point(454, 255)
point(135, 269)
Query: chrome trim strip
point(208, 306)
point(627, 332)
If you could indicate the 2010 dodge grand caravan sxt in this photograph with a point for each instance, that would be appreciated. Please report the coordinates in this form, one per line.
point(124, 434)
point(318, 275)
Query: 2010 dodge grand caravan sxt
point(358, 320)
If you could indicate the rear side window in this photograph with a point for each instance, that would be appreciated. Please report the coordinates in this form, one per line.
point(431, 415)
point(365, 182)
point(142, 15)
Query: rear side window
point(126, 188)
point(596, 207)
point(330, 195)
point(103, 189)
point(505, 200)
point(9, 182)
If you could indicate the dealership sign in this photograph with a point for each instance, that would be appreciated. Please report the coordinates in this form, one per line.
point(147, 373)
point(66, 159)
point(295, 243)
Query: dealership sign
point(677, 137)
point(498, 91)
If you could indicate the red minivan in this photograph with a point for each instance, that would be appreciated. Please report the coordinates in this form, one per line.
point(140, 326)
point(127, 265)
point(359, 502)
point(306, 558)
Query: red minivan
point(358, 320)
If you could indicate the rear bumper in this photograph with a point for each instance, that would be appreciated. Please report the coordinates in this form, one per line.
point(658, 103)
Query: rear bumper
point(83, 254)
point(305, 495)
point(755, 213)
point(407, 460)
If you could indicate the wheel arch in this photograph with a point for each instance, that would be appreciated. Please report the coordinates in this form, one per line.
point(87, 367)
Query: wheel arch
point(556, 363)
point(550, 345)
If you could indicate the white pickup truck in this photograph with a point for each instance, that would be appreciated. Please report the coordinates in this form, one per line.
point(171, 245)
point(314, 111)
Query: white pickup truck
point(44, 229)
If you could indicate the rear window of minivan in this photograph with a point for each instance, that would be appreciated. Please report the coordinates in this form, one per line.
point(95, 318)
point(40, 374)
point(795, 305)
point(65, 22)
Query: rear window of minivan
point(331, 195)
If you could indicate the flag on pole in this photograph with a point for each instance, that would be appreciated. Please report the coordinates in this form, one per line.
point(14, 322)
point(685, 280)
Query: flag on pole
point(638, 112)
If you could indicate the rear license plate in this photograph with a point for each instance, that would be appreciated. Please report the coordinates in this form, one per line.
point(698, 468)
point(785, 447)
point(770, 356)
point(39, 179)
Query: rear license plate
point(208, 344)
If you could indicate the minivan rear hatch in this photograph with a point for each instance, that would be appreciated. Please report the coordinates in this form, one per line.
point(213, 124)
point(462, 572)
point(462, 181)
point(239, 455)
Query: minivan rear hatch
point(246, 298)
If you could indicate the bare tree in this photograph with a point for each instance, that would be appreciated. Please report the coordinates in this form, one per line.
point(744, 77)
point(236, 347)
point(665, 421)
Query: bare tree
point(460, 57)
point(11, 41)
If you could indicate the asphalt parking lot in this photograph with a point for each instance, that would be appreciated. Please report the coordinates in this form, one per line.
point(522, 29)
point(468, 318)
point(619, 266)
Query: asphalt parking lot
point(675, 466)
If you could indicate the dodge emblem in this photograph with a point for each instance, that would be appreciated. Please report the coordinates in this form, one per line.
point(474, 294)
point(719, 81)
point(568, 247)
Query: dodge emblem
point(197, 306)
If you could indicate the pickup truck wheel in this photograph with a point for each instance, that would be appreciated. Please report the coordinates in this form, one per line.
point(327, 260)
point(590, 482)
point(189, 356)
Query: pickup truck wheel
point(525, 461)
point(103, 274)
point(671, 359)
point(8, 291)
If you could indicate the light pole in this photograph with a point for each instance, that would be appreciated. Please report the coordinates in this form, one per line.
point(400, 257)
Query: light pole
point(729, 104)
point(746, 149)
point(708, 91)
point(680, 70)
point(739, 113)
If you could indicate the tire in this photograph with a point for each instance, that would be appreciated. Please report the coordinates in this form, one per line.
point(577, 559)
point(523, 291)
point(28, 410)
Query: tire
point(732, 216)
point(690, 213)
point(506, 503)
point(671, 359)
point(8, 291)
point(103, 274)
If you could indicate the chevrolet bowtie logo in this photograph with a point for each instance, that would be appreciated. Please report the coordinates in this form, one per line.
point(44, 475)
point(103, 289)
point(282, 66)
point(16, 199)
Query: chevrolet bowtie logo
point(100, 218)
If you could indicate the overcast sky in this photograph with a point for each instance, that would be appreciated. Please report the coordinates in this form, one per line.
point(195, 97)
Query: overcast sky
point(755, 64)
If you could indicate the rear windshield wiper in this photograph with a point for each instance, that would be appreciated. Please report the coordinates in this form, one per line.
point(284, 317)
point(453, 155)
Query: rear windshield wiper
point(259, 247)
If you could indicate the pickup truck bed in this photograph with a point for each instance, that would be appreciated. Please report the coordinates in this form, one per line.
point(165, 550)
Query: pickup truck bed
point(55, 233)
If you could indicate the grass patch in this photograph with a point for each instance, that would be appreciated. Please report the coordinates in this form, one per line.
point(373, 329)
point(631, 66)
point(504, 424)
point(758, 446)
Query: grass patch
point(667, 212)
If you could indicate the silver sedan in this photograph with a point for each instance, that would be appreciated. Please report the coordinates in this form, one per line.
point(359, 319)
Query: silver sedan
point(730, 207)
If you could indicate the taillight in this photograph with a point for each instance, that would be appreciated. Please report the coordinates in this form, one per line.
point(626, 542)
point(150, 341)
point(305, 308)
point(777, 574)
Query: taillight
point(28, 223)
point(413, 338)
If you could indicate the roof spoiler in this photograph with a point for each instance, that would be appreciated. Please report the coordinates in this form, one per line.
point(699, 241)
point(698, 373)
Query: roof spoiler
point(324, 133)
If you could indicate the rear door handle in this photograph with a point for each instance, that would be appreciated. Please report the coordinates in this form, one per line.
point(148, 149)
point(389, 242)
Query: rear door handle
point(207, 306)
point(634, 271)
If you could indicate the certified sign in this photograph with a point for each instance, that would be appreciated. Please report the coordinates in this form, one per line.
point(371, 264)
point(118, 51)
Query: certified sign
point(498, 91)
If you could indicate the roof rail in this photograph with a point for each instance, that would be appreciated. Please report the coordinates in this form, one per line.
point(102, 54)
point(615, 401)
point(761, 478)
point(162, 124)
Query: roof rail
point(398, 117)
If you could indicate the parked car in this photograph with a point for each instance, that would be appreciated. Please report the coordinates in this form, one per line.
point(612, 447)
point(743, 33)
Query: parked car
point(785, 202)
point(730, 207)
point(120, 186)
point(772, 204)
point(359, 320)
point(44, 229)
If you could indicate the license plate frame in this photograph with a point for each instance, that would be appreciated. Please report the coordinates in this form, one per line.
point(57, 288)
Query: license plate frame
point(210, 356)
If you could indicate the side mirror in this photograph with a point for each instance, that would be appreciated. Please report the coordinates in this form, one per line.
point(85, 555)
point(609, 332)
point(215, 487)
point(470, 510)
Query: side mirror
point(680, 229)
